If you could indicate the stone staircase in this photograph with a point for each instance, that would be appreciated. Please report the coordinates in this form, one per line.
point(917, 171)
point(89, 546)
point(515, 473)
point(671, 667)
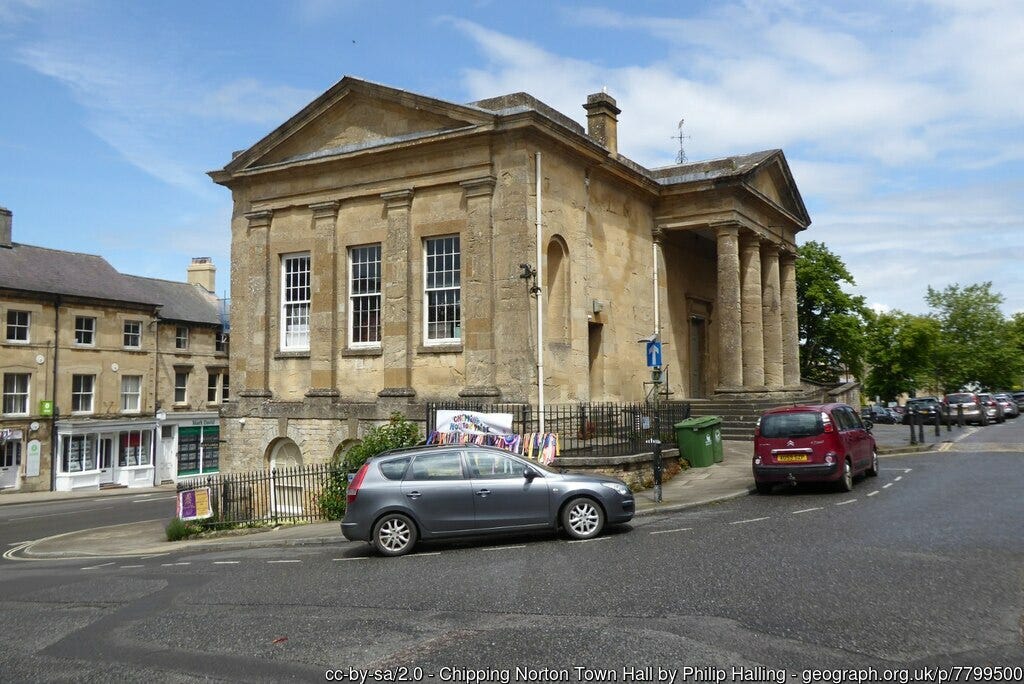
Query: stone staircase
point(739, 415)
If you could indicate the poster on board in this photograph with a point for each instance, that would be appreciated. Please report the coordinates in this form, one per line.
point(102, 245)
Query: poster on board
point(474, 422)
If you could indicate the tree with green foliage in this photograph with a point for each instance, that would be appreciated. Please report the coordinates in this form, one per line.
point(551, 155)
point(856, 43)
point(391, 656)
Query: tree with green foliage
point(395, 434)
point(831, 319)
point(900, 353)
point(977, 344)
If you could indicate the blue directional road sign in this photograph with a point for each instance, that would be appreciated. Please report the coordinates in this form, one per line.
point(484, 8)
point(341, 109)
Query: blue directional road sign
point(654, 354)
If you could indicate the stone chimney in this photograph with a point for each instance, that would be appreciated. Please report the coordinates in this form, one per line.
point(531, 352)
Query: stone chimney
point(6, 220)
point(602, 120)
point(203, 273)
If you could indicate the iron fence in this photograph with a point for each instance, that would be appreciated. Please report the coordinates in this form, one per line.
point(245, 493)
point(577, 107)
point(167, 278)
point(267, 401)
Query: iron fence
point(586, 428)
point(278, 495)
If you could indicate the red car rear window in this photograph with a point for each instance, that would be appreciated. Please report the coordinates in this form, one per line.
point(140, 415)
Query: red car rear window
point(776, 425)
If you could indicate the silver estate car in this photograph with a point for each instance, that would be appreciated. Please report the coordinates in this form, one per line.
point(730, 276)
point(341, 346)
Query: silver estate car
point(434, 492)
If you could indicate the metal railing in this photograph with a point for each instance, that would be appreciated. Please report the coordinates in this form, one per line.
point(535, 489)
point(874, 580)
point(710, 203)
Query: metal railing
point(587, 429)
point(276, 495)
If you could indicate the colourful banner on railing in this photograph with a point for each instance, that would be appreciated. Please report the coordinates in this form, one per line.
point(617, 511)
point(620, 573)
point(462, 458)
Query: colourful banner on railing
point(474, 422)
point(194, 504)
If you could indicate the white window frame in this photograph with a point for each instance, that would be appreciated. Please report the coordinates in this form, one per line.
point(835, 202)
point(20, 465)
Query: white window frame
point(225, 387)
point(295, 328)
point(13, 392)
point(78, 379)
point(358, 293)
point(181, 337)
point(137, 335)
point(213, 383)
point(220, 342)
point(9, 326)
point(429, 290)
point(90, 329)
point(143, 453)
point(89, 443)
point(10, 454)
point(184, 388)
point(127, 394)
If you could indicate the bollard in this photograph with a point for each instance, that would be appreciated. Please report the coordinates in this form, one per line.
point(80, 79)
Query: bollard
point(656, 463)
point(920, 428)
point(960, 415)
point(913, 433)
point(938, 422)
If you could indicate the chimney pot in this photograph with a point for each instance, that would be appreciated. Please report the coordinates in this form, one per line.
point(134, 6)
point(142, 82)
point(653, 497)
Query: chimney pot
point(6, 221)
point(203, 273)
point(602, 120)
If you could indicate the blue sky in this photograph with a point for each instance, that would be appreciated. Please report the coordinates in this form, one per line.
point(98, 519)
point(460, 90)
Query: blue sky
point(903, 122)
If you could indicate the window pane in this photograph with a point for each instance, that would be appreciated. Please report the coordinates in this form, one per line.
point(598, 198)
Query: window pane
point(15, 399)
point(295, 300)
point(443, 295)
point(436, 467)
point(17, 326)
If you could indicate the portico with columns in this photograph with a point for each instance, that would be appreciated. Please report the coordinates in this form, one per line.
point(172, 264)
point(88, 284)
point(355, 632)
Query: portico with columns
point(745, 212)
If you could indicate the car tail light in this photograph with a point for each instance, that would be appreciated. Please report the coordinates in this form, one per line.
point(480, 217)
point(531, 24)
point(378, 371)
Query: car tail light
point(826, 423)
point(357, 481)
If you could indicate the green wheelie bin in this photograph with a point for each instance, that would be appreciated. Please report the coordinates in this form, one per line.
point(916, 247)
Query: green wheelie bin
point(696, 440)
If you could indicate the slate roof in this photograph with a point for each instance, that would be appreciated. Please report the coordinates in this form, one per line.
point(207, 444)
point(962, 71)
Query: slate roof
point(39, 269)
point(27, 268)
point(711, 169)
point(178, 301)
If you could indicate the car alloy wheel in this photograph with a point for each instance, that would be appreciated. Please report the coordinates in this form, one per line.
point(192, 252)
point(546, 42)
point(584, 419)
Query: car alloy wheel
point(846, 481)
point(582, 518)
point(394, 535)
point(873, 470)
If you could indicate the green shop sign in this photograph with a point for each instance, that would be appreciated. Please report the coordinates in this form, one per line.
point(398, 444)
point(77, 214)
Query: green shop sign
point(46, 407)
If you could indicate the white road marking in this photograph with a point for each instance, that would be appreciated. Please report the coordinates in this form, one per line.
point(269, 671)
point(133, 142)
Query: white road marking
point(900, 477)
point(584, 541)
point(418, 555)
point(843, 503)
point(29, 541)
point(162, 498)
point(155, 555)
point(284, 561)
point(101, 565)
point(504, 548)
point(887, 485)
point(681, 529)
point(351, 559)
point(907, 470)
point(133, 566)
point(872, 493)
point(226, 562)
point(807, 510)
point(740, 522)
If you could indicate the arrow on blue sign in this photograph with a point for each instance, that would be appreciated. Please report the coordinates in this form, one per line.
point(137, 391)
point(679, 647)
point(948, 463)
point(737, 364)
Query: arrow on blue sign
point(653, 354)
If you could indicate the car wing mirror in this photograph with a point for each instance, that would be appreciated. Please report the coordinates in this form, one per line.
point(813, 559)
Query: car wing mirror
point(530, 474)
point(868, 425)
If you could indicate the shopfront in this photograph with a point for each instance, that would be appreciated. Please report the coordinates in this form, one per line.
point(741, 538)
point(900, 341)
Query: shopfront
point(11, 454)
point(93, 454)
point(190, 446)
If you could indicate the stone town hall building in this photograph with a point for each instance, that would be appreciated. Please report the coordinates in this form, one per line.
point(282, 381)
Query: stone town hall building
point(377, 243)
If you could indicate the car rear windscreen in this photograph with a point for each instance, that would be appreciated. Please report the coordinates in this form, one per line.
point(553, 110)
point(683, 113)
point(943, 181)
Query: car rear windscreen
point(775, 425)
point(960, 398)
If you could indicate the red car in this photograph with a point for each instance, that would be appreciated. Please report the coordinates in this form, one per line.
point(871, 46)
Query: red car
point(812, 443)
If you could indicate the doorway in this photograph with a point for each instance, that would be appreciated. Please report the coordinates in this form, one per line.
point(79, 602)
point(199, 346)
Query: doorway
point(106, 461)
point(698, 348)
point(596, 365)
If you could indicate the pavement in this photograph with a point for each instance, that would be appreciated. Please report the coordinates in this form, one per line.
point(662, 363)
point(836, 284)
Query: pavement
point(731, 478)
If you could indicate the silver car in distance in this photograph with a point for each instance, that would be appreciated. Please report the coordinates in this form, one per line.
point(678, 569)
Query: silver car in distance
point(436, 492)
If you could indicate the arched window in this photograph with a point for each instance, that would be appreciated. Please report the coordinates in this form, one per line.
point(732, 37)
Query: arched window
point(286, 492)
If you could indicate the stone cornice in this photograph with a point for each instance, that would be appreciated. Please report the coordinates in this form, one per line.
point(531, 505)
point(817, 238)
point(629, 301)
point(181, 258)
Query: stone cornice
point(479, 187)
point(399, 199)
point(259, 219)
point(323, 210)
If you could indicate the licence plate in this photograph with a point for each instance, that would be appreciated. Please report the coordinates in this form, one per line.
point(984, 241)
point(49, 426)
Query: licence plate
point(791, 458)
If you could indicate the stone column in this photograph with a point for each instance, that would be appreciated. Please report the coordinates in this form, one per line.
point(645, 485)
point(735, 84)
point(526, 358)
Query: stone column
point(771, 309)
point(790, 325)
point(262, 341)
point(397, 333)
point(730, 368)
point(478, 291)
point(323, 316)
point(751, 316)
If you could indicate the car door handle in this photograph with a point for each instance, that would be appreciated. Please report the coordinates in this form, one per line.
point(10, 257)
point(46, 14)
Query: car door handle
point(483, 492)
point(413, 495)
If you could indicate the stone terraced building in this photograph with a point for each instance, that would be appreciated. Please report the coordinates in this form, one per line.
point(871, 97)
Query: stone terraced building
point(379, 244)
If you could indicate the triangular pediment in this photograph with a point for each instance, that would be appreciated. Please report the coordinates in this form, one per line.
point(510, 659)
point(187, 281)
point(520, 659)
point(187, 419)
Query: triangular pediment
point(773, 180)
point(356, 115)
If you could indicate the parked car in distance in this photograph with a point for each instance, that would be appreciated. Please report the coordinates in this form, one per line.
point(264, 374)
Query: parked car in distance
point(1019, 398)
point(966, 403)
point(895, 416)
point(928, 408)
point(435, 492)
point(876, 414)
point(812, 443)
point(1008, 404)
point(992, 407)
